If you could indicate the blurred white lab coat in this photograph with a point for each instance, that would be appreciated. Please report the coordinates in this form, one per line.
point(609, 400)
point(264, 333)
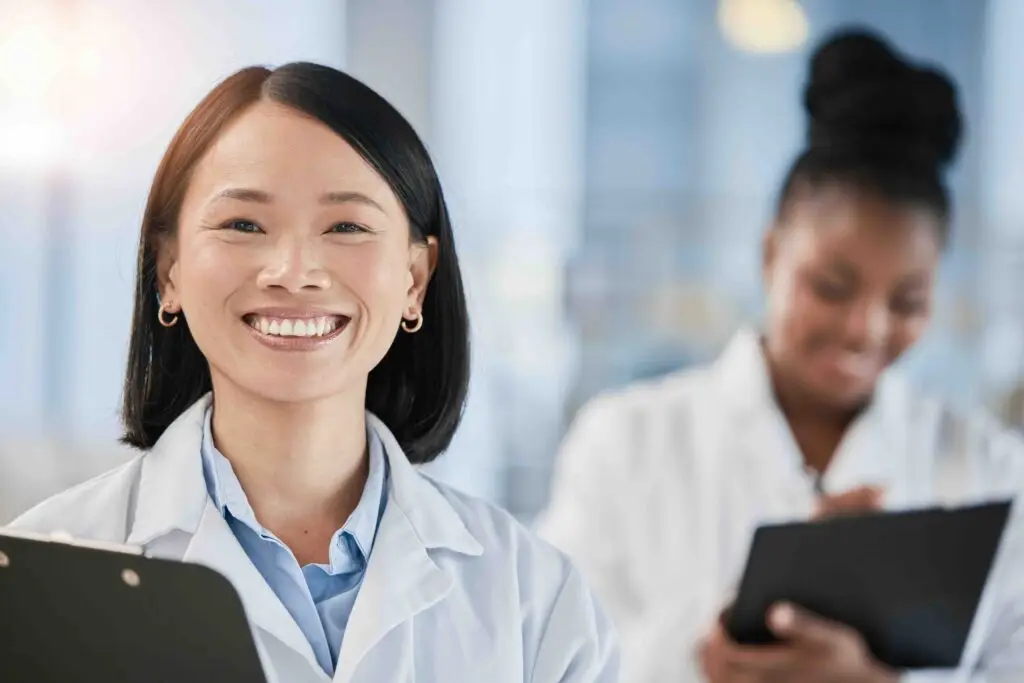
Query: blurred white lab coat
point(455, 589)
point(659, 488)
point(33, 469)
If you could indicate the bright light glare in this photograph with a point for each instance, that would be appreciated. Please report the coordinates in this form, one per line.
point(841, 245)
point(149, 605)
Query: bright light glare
point(90, 62)
point(29, 141)
point(29, 60)
point(763, 26)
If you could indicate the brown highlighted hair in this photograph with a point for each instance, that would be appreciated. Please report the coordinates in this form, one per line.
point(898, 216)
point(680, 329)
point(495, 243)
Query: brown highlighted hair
point(419, 387)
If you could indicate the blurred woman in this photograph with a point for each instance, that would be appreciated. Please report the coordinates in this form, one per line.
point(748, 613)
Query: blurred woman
point(299, 343)
point(660, 486)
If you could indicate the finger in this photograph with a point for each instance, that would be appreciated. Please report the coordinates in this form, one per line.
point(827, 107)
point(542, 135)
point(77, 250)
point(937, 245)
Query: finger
point(730, 674)
point(860, 497)
point(858, 500)
point(871, 497)
point(723, 616)
point(709, 647)
point(702, 653)
point(710, 659)
point(802, 628)
point(715, 669)
point(717, 636)
point(763, 658)
point(723, 653)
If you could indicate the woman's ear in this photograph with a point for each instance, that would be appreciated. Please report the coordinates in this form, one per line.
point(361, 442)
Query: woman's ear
point(167, 273)
point(422, 262)
point(769, 252)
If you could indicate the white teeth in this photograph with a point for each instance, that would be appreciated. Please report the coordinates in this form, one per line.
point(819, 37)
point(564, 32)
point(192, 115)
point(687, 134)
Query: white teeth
point(285, 327)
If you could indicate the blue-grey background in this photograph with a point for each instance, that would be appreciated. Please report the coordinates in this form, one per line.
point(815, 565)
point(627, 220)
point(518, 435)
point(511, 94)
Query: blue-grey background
point(611, 166)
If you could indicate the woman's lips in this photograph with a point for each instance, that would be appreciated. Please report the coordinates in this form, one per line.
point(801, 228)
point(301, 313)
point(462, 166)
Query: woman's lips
point(295, 333)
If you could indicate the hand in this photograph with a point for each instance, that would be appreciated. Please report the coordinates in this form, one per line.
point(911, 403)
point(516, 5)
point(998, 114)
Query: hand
point(813, 650)
point(855, 501)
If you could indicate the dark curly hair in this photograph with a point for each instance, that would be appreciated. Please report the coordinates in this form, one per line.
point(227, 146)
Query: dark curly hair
point(877, 123)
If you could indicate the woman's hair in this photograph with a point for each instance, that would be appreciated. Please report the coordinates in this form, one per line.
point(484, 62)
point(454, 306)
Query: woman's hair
point(876, 123)
point(419, 387)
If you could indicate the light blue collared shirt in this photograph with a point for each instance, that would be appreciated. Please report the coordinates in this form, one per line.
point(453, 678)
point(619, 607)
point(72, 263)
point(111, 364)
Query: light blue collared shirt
point(318, 596)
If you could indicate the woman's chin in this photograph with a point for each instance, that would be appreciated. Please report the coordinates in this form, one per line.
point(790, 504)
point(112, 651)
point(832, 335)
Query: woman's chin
point(844, 397)
point(293, 388)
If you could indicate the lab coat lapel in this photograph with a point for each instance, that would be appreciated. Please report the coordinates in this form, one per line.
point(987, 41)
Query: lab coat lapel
point(402, 579)
point(215, 546)
point(755, 445)
point(751, 471)
point(874, 450)
point(721, 421)
point(172, 500)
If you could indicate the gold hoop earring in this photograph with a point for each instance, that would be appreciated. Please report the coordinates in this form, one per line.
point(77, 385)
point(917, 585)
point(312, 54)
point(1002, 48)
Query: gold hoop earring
point(415, 327)
point(163, 321)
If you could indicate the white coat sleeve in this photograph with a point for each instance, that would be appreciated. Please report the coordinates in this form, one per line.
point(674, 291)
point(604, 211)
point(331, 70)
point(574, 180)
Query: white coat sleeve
point(589, 490)
point(579, 643)
point(593, 490)
point(999, 471)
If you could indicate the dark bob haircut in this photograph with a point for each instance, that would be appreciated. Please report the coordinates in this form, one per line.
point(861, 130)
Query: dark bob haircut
point(419, 387)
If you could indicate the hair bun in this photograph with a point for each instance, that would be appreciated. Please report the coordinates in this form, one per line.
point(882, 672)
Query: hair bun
point(864, 98)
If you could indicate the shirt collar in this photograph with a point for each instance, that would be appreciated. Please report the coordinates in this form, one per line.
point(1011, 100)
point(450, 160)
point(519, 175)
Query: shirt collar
point(171, 493)
point(229, 498)
point(363, 522)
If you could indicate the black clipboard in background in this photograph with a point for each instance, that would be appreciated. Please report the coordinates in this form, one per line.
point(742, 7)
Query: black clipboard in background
point(908, 582)
point(74, 613)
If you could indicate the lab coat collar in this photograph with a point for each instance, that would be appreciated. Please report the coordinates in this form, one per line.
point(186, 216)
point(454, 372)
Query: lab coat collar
point(743, 378)
point(741, 375)
point(874, 445)
point(214, 545)
point(172, 491)
point(172, 496)
point(401, 578)
point(435, 521)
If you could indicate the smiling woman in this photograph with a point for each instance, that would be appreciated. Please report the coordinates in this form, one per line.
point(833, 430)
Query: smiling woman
point(299, 342)
point(803, 415)
point(266, 225)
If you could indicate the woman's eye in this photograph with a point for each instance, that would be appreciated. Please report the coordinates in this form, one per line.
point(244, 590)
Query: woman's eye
point(831, 291)
point(909, 306)
point(241, 225)
point(346, 228)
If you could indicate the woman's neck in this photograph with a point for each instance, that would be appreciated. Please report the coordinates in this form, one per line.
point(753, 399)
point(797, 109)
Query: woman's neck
point(817, 428)
point(303, 466)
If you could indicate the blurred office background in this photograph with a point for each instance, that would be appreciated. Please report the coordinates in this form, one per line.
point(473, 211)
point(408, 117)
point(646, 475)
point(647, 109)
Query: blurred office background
point(611, 165)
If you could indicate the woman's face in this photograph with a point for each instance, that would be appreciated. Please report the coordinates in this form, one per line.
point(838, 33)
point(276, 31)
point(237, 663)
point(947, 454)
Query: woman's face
point(849, 280)
point(292, 262)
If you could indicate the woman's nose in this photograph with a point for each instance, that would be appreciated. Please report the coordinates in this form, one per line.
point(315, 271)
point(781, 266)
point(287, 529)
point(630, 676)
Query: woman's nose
point(295, 266)
point(867, 326)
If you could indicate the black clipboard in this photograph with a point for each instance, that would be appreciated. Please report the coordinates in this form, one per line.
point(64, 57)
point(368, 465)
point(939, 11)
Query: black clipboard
point(908, 582)
point(75, 612)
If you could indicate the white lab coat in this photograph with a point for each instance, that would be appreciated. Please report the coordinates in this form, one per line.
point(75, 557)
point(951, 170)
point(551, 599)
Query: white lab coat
point(660, 486)
point(455, 589)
